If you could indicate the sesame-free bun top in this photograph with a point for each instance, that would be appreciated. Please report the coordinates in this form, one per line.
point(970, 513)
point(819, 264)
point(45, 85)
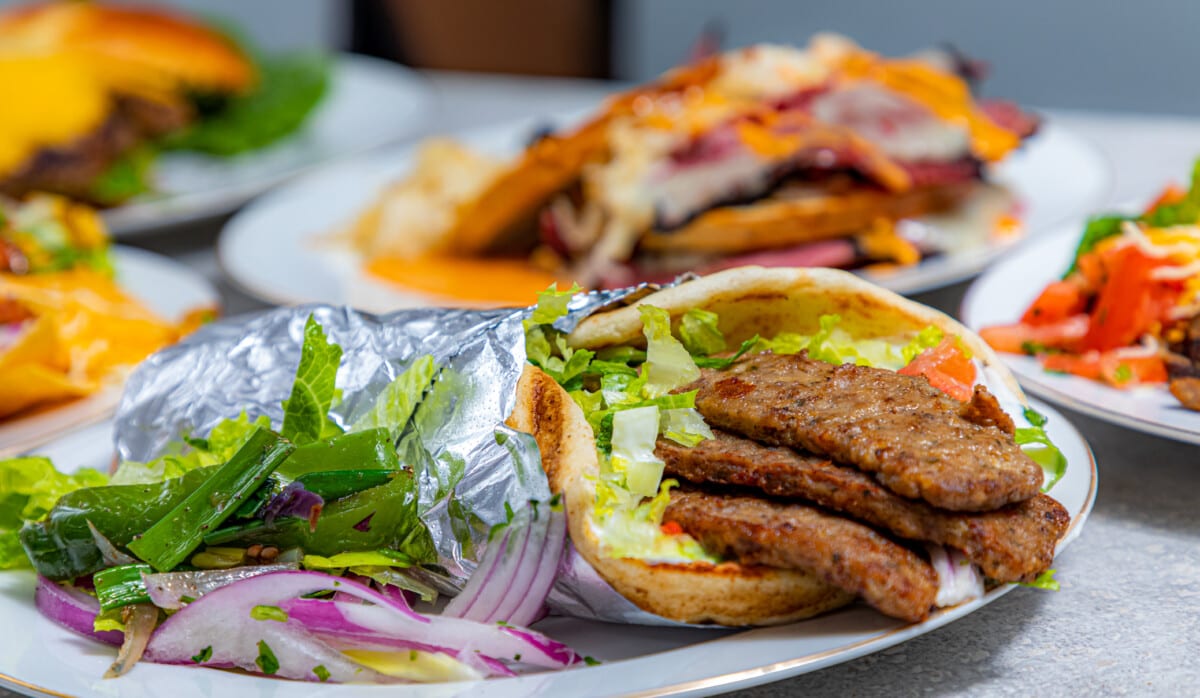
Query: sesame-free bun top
point(145, 51)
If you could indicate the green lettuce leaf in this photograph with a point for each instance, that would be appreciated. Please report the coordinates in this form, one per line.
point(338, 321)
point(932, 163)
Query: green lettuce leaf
point(396, 403)
point(668, 364)
point(29, 487)
point(306, 412)
point(1038, 446)
point(552, 305)
point(699, 333)
point(184, 456)
point(289, 88)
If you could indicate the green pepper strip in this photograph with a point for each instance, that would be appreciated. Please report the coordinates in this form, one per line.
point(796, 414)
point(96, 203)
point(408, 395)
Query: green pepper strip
point(371, 448)
point(121, 586)
point(335, 484)
point(168, 542)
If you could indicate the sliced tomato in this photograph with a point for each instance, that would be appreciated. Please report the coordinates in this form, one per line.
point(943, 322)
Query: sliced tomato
point(1085, 365)
point(1121, 371)
point(1128, 371)
point(1129, 303)
point(1021, 338)
point(672, 528)
point(946, 367)
point(1091, 271)
point(1057, 302)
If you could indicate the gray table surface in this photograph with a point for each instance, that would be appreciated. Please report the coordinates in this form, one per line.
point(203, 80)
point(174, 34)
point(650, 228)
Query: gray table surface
point(1127, 620)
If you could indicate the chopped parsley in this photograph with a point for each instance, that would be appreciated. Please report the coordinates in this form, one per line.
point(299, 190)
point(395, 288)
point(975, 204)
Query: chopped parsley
point(321, 672)
point(266, 660)
point(269, 613)
point(204, 656)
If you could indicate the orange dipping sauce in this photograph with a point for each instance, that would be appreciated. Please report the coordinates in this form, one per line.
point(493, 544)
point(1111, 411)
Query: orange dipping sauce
point(473, 282)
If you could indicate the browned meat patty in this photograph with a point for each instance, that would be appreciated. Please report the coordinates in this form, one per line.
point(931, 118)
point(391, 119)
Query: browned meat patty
point(73, 169)
point(1011, 544)
point(919, 442)
point(846, 554)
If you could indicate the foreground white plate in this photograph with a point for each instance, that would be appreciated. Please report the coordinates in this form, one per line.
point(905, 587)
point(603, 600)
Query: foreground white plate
point(273, 248)
point(370, 103)
point(166, 287)
point(1001, 295)
point(636, 660)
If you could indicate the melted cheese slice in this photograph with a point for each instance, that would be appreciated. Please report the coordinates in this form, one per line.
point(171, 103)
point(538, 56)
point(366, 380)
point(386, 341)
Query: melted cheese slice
point(59, 102)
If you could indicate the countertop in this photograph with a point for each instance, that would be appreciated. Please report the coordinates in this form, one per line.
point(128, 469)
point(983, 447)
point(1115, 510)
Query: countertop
point(1127, 619)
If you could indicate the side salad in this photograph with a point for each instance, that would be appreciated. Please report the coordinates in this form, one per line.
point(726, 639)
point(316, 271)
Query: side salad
point(292, 550)
point(1127, 309)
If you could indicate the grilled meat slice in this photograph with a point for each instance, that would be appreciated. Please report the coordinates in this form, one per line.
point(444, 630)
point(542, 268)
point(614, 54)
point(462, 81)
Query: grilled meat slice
point(918, 441)
point(1011, 544)
point(853, 557)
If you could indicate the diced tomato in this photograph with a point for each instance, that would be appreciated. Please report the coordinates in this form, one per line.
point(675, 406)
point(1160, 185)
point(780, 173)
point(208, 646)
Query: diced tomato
point(1130, 302)
point(946, 367)
point(1085, 365)
point(1021, 338)
point(1121, 371)
point(672, 528)
point(1172, 194)
point(1059, 301)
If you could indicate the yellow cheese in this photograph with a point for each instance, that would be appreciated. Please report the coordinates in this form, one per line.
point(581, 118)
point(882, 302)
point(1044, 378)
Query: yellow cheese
point(57, 101)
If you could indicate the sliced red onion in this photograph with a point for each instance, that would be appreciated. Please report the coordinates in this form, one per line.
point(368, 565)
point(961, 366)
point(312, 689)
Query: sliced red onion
point(140, 619)
point(72, 609)
point(499, 641)
point(221, 621)
point(108, 552)
point(516, 572)
point(486, 588)
point(167, 590)
point(532, 605)
point(958, 580)
point(220, 626)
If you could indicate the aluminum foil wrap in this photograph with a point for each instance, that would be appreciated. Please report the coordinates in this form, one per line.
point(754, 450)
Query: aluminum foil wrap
point(457, 443)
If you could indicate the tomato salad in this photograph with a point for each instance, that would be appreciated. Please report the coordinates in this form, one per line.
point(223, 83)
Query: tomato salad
point(1127, 310)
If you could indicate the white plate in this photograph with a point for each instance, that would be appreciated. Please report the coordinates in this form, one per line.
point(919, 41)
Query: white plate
point(272, 248)
point(636, 660)
point(163, 285)
point(370, 103)
point(1002, 294)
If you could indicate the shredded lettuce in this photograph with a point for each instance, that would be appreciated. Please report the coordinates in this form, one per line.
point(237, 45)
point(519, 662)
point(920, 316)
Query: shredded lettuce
point(927, 338)
point(190, 453)
point(396, 403)
point(685, 426)
point(699, 333)
point(1045, 581)
point(634, 435)
point(1038, 446)
point(668, 364)
point(305, 413)
point(552, 305)
point(29, 487)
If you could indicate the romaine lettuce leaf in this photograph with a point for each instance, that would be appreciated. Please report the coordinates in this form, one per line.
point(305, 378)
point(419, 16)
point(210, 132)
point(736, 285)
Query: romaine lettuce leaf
point(668, 364)
point(1036, 443)
point(29, 487)
point(306, 412)
point(699, 332)
point(396, 403)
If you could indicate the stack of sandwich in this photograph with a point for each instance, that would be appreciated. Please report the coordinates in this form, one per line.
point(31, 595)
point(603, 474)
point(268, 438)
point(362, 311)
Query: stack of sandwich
point(768, 155)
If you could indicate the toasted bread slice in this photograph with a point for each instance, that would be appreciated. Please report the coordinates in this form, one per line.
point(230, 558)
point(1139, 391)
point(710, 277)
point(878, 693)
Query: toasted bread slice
point(798, 217)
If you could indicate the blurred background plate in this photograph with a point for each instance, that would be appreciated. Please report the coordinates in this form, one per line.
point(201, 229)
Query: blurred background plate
point(277, 248)
point(162, 285)
point(635, 660)
point(1002, 294)
point(370, 103)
